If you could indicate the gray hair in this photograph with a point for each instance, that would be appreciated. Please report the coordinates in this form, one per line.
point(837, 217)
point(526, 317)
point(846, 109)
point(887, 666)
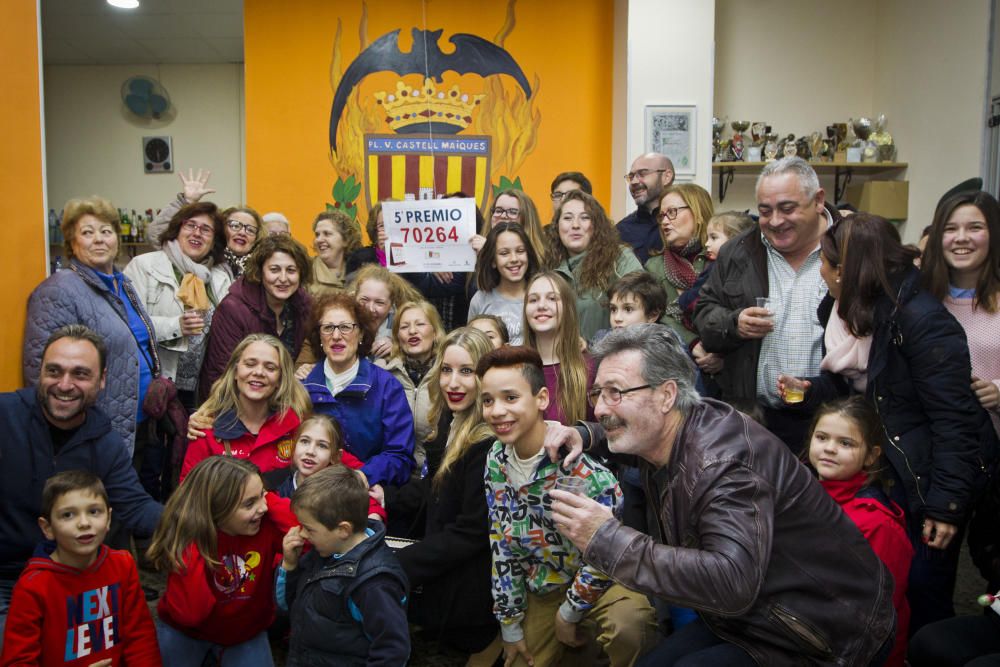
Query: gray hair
point(664, 358)
point(802, 170)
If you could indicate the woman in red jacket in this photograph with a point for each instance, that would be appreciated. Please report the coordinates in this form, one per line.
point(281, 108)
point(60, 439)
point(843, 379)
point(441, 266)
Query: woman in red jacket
point(844, 450)
point(257, 405)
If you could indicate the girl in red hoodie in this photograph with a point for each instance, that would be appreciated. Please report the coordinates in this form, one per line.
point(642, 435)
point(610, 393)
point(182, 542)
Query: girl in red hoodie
point(218, 540)
point(256, 403)
point(844, 451)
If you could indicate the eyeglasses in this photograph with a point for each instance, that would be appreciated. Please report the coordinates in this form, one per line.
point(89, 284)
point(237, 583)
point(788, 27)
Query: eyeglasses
point(558, 196)
point(345, 328)
point(642, 173)
point(671, 213)
point(192, 226)
point(509, 213)
point(611, 395)
point(236, 226)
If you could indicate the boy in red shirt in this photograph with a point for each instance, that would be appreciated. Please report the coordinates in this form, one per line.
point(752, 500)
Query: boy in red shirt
point(80, 602)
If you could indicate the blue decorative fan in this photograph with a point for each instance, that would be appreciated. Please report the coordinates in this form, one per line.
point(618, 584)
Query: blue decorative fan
point(145, 97)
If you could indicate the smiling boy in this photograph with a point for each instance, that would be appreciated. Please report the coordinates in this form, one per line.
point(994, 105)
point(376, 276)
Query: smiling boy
point(544, 596)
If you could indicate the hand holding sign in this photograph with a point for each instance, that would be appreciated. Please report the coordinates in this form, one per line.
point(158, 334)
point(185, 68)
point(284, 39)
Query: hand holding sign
point(430, 235)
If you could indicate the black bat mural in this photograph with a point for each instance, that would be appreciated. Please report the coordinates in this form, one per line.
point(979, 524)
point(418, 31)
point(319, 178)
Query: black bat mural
point(472, 54)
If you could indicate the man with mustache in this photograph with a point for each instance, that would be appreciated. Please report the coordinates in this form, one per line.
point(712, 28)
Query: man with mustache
point(779, 260)
point(740, 531)
point(649, 176)
point(54, 427)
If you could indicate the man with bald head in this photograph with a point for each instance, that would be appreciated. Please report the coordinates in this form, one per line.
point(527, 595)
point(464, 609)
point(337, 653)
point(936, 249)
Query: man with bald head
point(649, 176)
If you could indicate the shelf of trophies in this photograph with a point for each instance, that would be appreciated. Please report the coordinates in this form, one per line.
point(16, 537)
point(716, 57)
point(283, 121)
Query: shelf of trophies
point(842, 172)
point(857, 146)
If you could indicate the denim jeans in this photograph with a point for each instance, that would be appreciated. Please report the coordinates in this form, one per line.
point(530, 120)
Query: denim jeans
point(6, 590)
point(695, 645)
point(179, 650)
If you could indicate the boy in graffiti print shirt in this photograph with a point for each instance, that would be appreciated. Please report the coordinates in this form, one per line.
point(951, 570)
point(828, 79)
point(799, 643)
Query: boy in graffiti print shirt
point(78, 602)
point(545, 597)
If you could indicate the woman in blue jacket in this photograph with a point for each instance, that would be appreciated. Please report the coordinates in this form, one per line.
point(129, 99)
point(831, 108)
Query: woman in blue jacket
point(367, 401)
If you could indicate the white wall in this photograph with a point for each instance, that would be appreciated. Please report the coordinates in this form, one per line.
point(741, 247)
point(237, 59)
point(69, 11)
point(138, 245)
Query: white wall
point(932, 82)
point(669, 60)
point(94, 146)
point(801, 66)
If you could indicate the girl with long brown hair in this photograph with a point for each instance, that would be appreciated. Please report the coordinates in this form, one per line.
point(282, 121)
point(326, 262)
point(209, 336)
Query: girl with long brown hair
point(550, 326)
point(217, 543)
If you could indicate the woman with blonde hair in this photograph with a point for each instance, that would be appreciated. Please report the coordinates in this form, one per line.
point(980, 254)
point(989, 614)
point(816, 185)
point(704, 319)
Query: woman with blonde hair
point(336, 237)
point(583, 245)
point(451, 564)
point(512, 206)
point(685, 210)
point(256, 404)
point(416, 333)
point(550, 327)
point(381, 292)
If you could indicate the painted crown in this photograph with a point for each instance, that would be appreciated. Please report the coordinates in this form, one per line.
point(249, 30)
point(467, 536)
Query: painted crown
point(410, 106)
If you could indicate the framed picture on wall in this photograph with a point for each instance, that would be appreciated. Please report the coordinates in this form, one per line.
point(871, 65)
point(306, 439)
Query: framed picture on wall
point(670, 129)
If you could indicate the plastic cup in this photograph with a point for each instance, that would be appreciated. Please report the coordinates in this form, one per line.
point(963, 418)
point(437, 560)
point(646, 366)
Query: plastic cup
point(574, 485)
point(766, 303)
point(795, 389)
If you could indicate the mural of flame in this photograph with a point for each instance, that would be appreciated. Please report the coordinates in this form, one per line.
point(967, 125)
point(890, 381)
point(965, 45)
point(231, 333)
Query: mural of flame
point(505, 115)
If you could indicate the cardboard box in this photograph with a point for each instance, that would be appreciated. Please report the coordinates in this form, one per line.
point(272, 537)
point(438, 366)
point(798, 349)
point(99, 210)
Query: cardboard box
point(888, 199)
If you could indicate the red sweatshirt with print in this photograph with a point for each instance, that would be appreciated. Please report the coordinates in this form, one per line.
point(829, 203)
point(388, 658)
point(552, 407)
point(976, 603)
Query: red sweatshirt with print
point(60, 615)
point(234, 601)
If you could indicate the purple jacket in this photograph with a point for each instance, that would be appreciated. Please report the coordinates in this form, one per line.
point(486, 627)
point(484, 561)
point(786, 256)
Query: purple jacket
point(244, 311)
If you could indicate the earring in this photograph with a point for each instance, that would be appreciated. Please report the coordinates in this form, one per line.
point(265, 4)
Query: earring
point(837, 281)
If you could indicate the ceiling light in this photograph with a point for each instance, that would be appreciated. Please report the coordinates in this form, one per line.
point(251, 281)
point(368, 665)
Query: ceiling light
point(124, 4)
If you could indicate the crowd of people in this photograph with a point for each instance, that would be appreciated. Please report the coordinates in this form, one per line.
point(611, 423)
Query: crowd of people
point(686, 438)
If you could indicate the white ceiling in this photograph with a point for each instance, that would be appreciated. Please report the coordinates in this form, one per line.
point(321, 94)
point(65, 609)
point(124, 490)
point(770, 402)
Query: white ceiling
point(91, 32)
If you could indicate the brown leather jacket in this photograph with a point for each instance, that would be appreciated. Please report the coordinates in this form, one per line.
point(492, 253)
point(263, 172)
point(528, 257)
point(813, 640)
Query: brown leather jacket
point(750, 540)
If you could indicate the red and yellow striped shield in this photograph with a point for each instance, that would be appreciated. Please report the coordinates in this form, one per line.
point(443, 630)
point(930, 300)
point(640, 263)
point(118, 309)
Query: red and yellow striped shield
point(426, 167)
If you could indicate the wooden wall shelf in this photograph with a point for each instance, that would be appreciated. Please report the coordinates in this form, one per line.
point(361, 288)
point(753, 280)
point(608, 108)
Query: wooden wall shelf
point(840, 170)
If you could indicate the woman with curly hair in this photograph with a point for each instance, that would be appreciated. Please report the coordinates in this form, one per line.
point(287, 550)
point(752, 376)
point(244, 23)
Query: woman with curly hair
point(336, 237)
point(583, 245)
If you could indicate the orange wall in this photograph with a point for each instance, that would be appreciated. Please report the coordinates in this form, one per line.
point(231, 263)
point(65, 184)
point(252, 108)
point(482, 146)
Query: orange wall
point(22, 234)
point(288, 47)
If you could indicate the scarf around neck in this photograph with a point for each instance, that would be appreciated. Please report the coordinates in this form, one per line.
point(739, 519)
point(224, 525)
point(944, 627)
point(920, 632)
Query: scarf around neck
point(185, 264)
point(679, 265)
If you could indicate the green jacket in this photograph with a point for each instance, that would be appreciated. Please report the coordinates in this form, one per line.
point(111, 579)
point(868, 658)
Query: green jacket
point(656, 268)
point(591, 308)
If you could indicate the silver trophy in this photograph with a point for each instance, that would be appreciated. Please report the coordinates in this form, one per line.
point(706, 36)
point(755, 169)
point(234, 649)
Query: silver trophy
point(869, 149)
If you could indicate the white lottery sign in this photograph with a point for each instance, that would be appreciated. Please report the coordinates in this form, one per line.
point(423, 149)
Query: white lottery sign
point(430, 235)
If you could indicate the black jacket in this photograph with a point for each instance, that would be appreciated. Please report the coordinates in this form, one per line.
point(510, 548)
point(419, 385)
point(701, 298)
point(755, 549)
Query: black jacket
point(748, 538)
point(349, 610)
point(452, 562)
point(938, 438)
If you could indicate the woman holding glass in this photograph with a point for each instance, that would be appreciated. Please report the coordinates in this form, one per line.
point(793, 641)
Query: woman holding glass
point(191, 255)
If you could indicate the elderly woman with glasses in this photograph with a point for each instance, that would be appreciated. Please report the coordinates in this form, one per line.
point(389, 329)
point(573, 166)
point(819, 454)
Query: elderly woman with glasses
point(242, 223)
point(191, 255)
point(367, 401)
